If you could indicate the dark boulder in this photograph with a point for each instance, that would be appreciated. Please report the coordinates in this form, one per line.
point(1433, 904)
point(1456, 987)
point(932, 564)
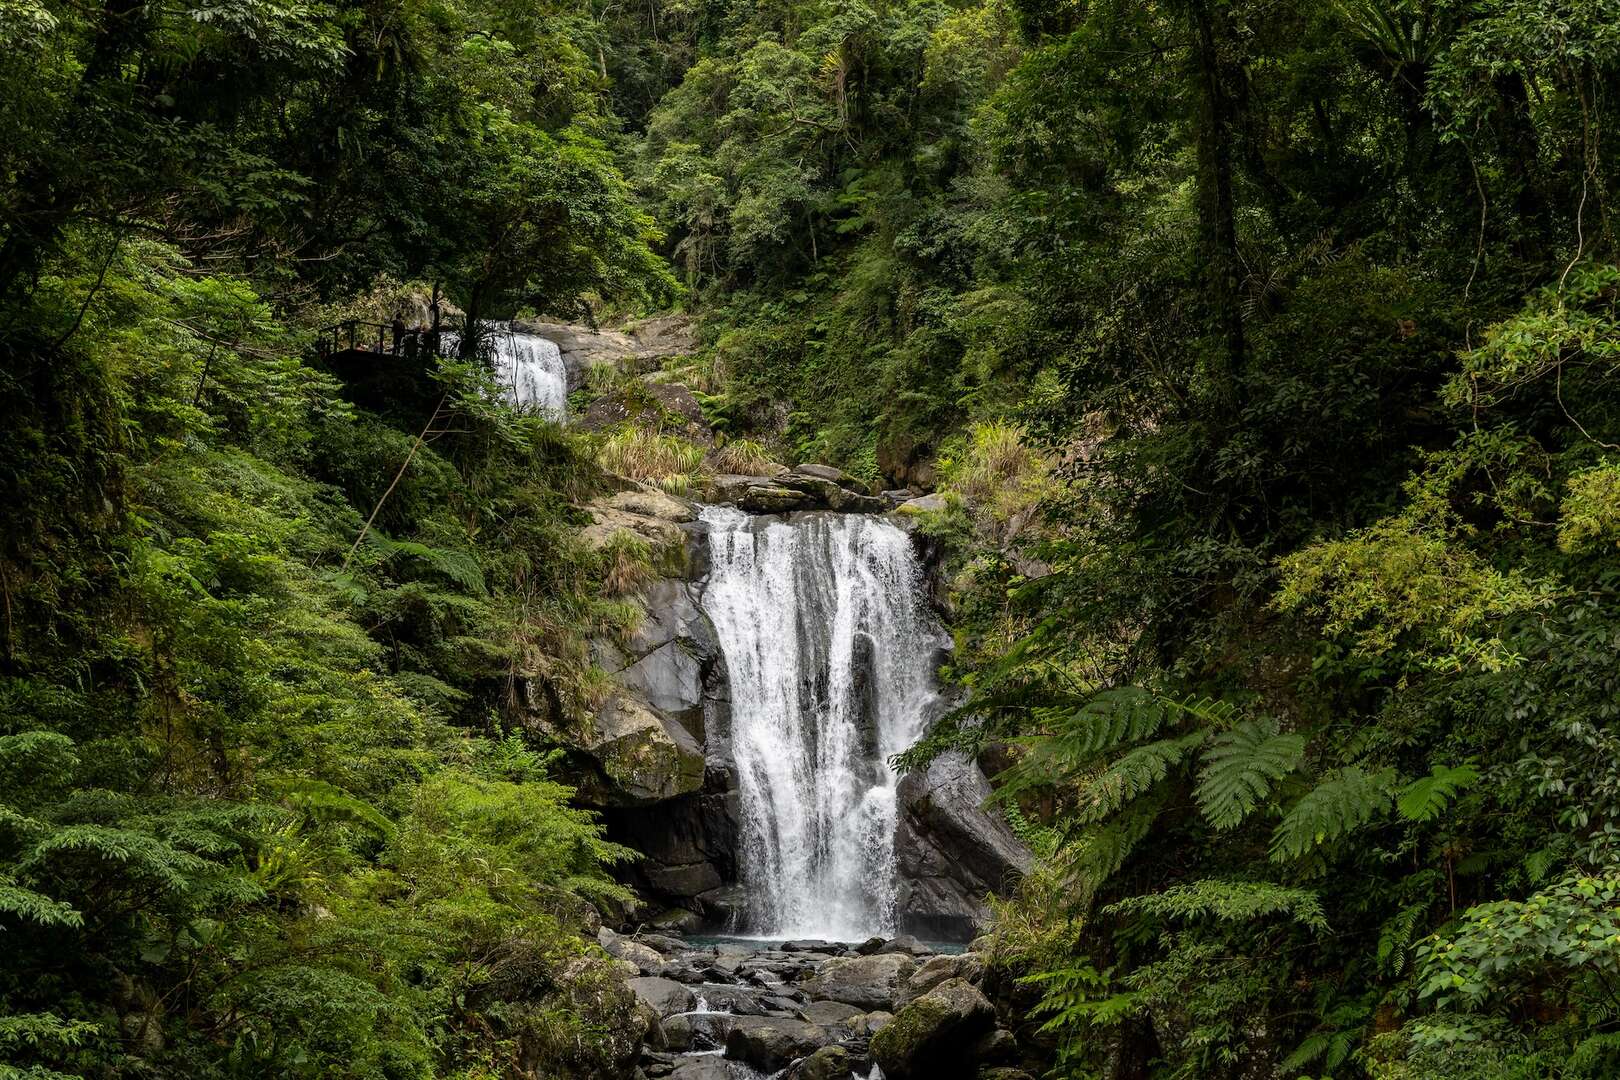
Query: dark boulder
point(933, 1037)
point(771, 1043)
point(867, 982)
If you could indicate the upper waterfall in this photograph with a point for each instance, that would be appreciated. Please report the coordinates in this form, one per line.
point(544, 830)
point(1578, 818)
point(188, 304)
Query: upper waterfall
point(531, 369)
point(830, 645)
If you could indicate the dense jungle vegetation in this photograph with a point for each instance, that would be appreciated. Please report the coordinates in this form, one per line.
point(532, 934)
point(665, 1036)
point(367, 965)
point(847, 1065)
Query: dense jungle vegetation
point(1268, 354)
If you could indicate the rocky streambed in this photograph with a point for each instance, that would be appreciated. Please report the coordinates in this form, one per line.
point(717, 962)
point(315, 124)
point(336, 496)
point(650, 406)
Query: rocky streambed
point(732, 1009)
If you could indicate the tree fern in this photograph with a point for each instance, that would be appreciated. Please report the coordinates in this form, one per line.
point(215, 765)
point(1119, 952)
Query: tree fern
point(1240, 767)
point(1337, 806)
point(1426, 799)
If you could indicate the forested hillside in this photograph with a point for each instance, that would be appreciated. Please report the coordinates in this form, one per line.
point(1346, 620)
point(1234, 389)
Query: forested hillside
point(1263, 356)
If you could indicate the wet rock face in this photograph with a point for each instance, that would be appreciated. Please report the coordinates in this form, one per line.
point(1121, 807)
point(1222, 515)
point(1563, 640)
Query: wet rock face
point(951, 852)
point(807, 487)
point(639, 347)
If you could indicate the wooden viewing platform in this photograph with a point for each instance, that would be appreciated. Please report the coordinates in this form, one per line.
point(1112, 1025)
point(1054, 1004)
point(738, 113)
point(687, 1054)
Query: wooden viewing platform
point(354, 338)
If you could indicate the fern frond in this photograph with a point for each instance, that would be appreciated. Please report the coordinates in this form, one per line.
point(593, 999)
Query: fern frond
point(1395, 939)
point(1336, 806)
point(1426, 799)
point(459, 567)
point(1077, 738)
point(321, 801)
point(1240, 766)
point(1228, 901)
point(1130, 775)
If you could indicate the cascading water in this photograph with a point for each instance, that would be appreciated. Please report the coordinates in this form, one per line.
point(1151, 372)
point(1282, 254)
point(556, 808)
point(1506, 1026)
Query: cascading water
point(531, 368)
point(830, 645)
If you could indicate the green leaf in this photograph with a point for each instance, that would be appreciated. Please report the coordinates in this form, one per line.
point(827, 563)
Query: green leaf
point(1240, 767)
point(1426, 799)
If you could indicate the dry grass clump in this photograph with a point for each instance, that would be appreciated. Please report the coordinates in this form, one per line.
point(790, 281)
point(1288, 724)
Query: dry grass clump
point(999, 473)
point(670, 462)
point(745, 456)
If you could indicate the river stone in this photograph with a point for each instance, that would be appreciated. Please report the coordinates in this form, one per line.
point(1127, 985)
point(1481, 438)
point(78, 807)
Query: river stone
point(677, 1031)
point(925, 504)
point(931, 1036)
point(828, 1063)
point(702, 1068)
point(936, 969)
point(770, 1043)
point(828, 1013)
point(647, 961)
point(666, 997)
point(650, 502)
point(867, 982)
point(662, 943)
point(871, 1023)
point(871, 945)
point(907, 944)
point(772, 498)
point(827, 472)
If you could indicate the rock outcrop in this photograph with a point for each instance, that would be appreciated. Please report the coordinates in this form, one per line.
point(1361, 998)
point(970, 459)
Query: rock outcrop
point(951, 853)
point(807, 487)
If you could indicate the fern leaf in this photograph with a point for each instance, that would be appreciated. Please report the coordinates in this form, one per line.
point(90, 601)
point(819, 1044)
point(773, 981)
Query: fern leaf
point(1227, 901)
point(1240, 766)
point(1077, 738)
point(1130, 775)
point(1426, 799)
point(1336, 806)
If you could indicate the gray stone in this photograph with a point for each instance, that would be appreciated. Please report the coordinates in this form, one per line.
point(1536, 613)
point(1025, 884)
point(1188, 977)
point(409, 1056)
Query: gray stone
point(702, 1068)
point(869, 1024)
point(924, 504)
point(677, 1031)
point(828, 1063)
point(644, 960)
point(643, 756)
point(828, 472)
point(867, 982)
point(932, 1036)
point(679, 920)
point(828, 1013)
point(664, 996)
point(951, 853)
point(653, 503)
point(907, 944)
point(937, 969)
point(770, 1043)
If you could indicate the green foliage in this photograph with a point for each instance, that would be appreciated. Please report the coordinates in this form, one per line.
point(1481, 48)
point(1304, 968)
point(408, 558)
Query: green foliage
point(1335, 807)
point(1240, 768)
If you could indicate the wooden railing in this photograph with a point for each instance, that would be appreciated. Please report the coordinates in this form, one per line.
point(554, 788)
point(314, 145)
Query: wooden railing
point(357, 335)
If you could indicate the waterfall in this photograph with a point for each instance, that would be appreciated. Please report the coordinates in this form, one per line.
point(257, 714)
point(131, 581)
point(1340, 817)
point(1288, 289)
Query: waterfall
point(830, 647)
point(531, 368)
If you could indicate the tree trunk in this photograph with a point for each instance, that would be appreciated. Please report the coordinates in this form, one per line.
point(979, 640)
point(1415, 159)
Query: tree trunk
point(1217, 132)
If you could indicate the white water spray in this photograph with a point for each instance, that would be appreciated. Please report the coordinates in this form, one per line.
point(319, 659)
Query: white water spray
point(531, 369)
point(829, 643)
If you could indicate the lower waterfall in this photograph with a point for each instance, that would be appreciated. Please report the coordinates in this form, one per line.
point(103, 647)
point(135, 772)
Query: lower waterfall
point(531, 369)
point(830, 646)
